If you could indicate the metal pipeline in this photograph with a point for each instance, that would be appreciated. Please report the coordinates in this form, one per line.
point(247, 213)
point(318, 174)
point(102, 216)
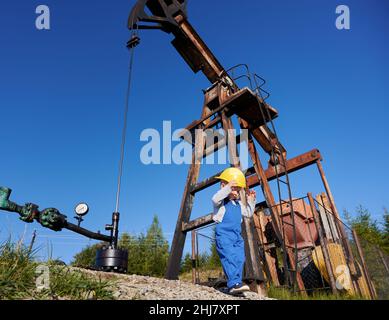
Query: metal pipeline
point(87, 233)
point(49, 218)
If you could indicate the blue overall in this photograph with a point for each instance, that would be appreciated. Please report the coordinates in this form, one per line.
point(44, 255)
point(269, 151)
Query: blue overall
point(230, 244)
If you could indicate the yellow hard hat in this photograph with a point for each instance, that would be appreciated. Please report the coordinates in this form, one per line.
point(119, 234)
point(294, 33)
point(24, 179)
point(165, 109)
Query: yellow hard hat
point(233, 174)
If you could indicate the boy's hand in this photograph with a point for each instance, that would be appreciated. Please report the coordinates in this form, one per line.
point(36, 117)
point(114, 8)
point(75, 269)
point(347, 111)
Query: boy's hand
point(232, 183)
point(251, 195)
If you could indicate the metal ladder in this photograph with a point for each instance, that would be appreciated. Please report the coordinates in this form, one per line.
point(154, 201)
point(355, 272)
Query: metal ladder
point(278, 160)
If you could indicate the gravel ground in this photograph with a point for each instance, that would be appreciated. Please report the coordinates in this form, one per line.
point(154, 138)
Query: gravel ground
point(134, 287)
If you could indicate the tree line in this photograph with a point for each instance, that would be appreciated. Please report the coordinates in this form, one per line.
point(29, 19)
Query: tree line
point(370, 229)
point(148, 253)
point(374, 240)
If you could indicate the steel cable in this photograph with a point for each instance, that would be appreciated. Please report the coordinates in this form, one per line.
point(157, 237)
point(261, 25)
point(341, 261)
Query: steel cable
point(124, 131)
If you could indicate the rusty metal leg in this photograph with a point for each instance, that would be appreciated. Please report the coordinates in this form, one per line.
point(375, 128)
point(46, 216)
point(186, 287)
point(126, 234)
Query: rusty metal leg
point(194, 257)
point(197, 259)
point(270, 263)
point(174, 262)
point(364, 266)
point(383, 260)
point(346, 244)
point(275, 219)
point(253, 269)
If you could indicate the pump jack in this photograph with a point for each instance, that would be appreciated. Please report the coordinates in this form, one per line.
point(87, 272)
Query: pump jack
point(222, 100)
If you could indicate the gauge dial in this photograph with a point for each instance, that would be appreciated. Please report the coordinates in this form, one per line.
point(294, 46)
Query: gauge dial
point(81, 209)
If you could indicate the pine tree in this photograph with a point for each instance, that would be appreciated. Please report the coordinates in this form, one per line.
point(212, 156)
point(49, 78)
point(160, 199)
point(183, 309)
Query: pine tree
point(125, 240)
point(366, 227)
point(186, 264)
point(203, 261)
point(147, 254)
point(157, 249)
point(374, 241)
point(135, 253)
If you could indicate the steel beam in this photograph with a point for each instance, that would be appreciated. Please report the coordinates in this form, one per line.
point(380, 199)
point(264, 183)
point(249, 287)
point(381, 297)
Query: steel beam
point(292, 165)
point(177, 248)
point(197, 223)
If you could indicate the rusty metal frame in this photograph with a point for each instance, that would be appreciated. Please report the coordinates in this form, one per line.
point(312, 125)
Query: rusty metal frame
point(171, 17)
point(177, 247)
point(292, 165)
point(323, 244)
point(345, 243)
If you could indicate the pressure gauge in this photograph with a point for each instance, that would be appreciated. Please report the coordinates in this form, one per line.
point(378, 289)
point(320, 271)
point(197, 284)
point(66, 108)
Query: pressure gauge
point(81, 209)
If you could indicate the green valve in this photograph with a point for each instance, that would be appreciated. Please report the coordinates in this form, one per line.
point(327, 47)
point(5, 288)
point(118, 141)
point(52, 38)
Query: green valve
point(29, 212)
point(51, 218)
point(4, 198)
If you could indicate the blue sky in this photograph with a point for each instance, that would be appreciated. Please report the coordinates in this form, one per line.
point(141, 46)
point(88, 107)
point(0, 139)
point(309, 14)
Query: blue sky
point(62, 97)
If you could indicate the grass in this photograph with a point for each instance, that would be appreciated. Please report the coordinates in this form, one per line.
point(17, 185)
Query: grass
point(285, 294)
point(204, 274)
point(19, 273)
point(278, 293)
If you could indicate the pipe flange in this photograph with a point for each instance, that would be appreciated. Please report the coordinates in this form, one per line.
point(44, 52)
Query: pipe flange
point(29, 212)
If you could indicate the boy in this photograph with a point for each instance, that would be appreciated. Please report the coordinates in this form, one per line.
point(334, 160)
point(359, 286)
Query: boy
point(228, 211)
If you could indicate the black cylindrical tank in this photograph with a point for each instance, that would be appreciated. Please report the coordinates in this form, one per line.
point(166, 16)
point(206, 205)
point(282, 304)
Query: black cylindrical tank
point(112, 260)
